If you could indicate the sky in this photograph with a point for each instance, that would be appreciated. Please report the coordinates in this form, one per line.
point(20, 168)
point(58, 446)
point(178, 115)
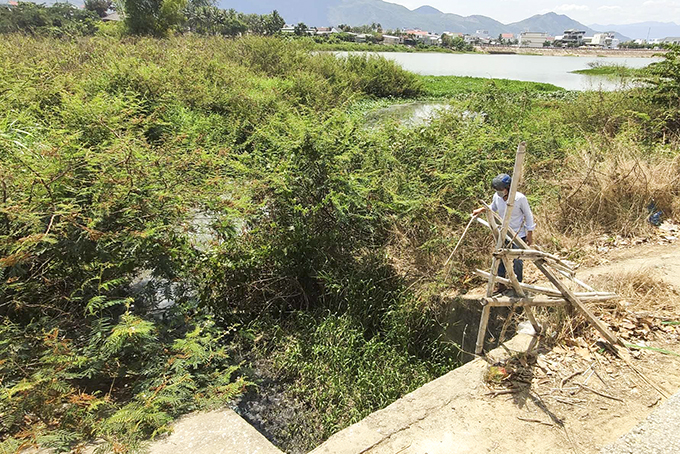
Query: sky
point(586, 12)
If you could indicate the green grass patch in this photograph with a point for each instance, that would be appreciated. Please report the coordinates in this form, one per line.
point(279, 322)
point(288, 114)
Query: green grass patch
point(612, 71)
point(446, 86)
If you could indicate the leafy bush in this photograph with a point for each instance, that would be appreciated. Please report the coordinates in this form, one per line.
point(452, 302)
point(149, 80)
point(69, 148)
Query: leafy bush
point(57, 20)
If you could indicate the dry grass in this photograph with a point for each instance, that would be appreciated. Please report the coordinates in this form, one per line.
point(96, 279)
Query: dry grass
point(641, 291)
point(642, 294)
point(613, 192)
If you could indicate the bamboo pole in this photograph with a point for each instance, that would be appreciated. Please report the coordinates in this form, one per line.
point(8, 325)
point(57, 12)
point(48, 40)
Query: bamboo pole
point(541, 301)
point(574, 300)
point(538, 301)
point(510, 203)
point(545, 290)
point(481, 333)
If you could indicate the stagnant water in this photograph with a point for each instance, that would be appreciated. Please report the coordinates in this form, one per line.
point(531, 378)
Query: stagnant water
point(408, 114)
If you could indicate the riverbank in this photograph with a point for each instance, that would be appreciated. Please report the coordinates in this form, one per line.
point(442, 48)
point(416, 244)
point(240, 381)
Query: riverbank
point(570, 52)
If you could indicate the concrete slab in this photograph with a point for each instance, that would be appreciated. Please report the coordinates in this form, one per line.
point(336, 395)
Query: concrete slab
point(215, 432)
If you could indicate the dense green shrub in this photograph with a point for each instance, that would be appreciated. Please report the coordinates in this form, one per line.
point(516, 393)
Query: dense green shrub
point(57, 20)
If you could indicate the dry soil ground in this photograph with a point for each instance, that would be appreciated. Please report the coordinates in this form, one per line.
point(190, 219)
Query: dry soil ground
point(580, 388)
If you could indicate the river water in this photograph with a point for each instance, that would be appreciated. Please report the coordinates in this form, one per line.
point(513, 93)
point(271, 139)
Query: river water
point(532, 68)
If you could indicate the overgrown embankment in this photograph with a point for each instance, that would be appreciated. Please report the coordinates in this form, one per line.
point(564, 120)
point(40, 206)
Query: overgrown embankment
point(326, 240)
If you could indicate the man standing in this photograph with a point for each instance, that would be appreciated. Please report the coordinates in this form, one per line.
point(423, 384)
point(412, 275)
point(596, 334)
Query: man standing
point(521, 221)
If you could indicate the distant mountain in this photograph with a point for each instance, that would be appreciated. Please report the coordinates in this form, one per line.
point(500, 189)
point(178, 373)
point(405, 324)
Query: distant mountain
point(426, 9)
point(391, 16)
point(644, 30)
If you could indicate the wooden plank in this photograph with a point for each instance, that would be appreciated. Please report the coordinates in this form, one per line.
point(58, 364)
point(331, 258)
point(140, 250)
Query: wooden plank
point(532, 319)
point(573, 299)
point(592, 296)
point(481, 334)
point(491, 280)
point(510, 273)
point(504, 301)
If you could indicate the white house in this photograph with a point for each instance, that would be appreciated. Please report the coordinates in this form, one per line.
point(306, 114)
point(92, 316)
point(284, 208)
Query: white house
point(389, 39)
point(602, 40)
point(533, 39)
point(671, 40)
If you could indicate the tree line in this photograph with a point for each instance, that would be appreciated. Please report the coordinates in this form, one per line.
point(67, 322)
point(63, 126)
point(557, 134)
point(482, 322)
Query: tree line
point(140, 17)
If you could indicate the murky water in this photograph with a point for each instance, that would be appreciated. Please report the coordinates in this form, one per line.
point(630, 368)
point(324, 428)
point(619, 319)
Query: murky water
point(531, 68)
point(409, 114)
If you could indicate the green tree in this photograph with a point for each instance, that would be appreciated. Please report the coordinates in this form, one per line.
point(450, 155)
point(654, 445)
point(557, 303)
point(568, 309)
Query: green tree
point(98, 6)
point(665, 88)
point(300, 29)
point(273, 23)
point(60, 19)
point(153, 17)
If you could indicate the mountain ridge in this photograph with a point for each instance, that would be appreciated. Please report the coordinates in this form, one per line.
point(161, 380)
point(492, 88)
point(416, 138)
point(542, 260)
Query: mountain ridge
point(392, 16)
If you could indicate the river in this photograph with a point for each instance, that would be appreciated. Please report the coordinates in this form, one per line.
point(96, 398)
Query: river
point(532, 68)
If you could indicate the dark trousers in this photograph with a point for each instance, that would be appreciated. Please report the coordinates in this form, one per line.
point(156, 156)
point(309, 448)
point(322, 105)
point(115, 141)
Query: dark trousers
point(517, 265)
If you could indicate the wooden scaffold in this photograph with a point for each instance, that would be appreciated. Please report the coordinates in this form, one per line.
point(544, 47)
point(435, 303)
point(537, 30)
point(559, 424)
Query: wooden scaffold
point(554, 269)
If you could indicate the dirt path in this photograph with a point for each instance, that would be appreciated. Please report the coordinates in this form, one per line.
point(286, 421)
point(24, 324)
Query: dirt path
point(661, 259)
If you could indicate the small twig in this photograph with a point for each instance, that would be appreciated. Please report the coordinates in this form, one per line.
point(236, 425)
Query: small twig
point(404, 448)
point(599, 393)
point(536, 421)
point(49, 227)
point(565, 380)
point(503, 391)
point(601, 379)
point(568, 402)
point(590, 374)
point(459, 241)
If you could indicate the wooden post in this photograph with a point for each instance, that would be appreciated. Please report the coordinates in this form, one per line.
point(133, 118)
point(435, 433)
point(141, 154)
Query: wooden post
point(494, 260)
point(481, 334)
point(510, 203)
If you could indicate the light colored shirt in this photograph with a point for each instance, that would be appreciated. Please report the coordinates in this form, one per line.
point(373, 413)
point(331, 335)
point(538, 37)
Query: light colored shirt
point(522, 220)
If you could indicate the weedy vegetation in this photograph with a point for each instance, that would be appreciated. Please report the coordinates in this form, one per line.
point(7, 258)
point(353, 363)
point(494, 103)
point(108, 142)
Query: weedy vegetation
point(174, 210)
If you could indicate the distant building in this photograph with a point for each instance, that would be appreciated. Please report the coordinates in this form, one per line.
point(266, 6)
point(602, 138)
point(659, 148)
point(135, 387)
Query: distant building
point(483, 34)
point(507, 36)
point(423, 37)
point(113, 17)
point(671, 40)
point(533, 39)
point(389, 39)
point(324, 30)
point(572, 38)
point(602, 40)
